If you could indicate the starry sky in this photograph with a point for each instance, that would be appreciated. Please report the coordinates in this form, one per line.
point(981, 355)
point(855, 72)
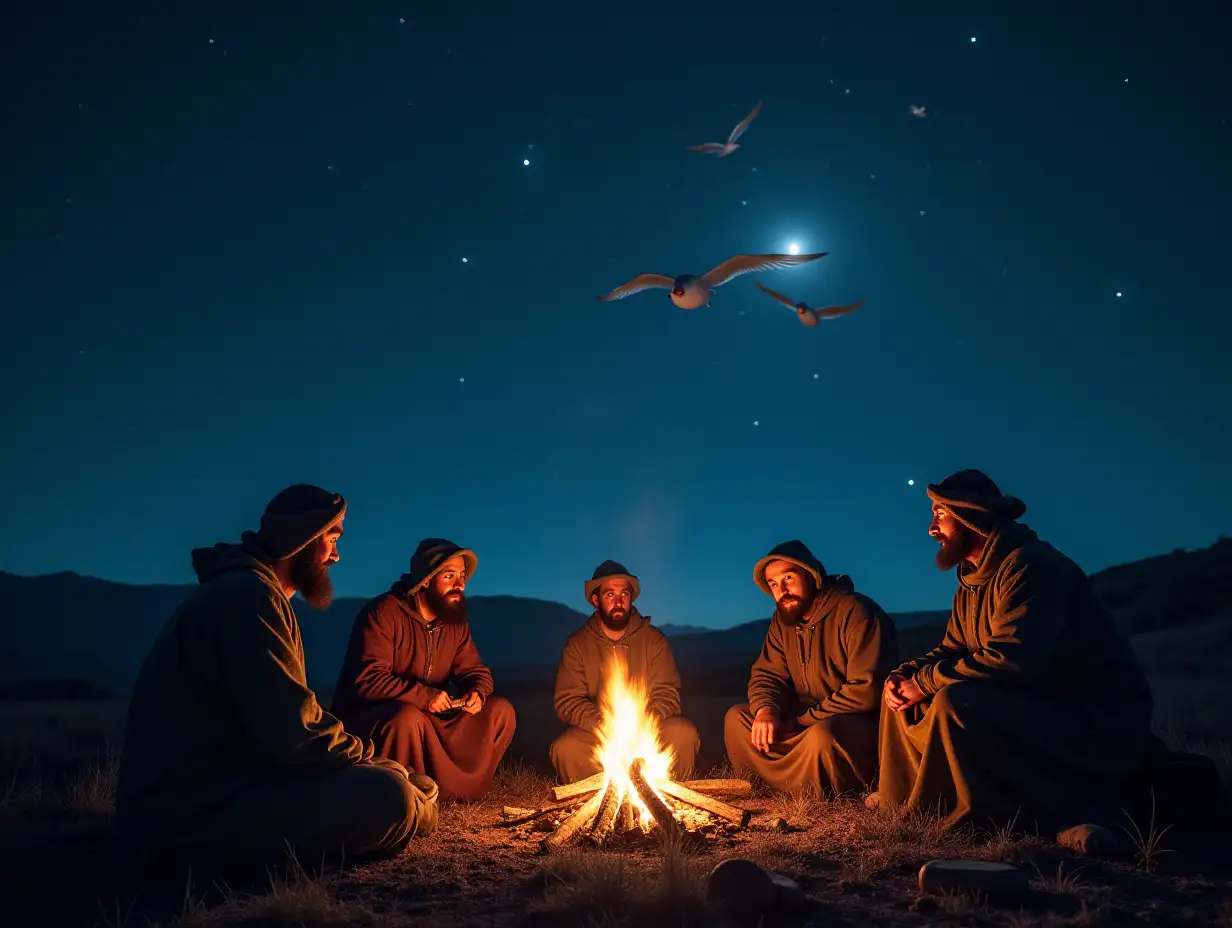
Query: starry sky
point(244, 250)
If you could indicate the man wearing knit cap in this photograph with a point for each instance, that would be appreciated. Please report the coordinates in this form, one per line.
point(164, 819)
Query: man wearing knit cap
point(407, 647)
point(1034, 705)
point(811, 720)
point(617, 632)
point(227, 751)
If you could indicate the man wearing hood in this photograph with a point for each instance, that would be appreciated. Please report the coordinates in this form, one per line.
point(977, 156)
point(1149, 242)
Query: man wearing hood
point(616, 631)
point(811, 720)
point(406, 648)
point(227, 752)
point(1034, 704)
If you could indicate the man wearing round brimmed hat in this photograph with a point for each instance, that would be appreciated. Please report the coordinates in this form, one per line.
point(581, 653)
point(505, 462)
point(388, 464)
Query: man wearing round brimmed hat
point(227, 752)
point(616, 631)
point(1034, 705)
point(814, 692)
point(407, 647)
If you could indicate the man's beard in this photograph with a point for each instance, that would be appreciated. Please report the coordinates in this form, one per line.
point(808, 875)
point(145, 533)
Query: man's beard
point(954, 550)
point(446, 610)
point(615, 623)
point(310, 576)
point(794, 608)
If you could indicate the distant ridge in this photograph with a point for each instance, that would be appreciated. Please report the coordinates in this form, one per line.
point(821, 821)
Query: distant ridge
point(66, 626)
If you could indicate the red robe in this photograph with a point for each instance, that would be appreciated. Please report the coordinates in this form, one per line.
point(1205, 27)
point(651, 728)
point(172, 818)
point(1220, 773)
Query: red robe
point(395, 664)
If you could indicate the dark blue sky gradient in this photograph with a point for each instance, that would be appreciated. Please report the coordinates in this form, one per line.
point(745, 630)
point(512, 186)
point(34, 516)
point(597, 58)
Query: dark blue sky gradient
point(234, 266)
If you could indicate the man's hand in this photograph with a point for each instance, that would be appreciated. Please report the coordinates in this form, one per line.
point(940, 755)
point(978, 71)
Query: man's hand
point(440, 703)
point(901, 692)
point(471, 703)
point(765, 729)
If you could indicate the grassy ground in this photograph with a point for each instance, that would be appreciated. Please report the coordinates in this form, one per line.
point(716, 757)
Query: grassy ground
point(58, 865)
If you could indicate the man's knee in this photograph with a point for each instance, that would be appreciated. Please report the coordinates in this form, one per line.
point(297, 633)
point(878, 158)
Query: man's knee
point(571, 743)
point(680, 732)
point(502, 710)
point(738, 720)
point(394, 808)
point(409, 718)
point(960, 700)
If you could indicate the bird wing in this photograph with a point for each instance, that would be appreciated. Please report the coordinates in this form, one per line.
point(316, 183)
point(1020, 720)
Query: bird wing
point(744, 124)
point(638, 284)
point(830, 312)
point(709, 146)
point(744, 264)
point(778, 296)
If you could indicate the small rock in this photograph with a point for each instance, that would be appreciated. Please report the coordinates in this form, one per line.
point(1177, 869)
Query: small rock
point(973, 876)
point(741, 887)
point(778, 824)
point(1095, 841)
point(544, 824)
point(788, 895)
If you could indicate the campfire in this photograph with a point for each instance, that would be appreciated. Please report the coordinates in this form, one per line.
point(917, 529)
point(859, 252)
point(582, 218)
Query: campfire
point(634, 794)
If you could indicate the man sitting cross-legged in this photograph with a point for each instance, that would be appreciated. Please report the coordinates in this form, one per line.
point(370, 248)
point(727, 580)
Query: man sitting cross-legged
point(1034, 705)
point(406, 647)
point(617, 630)
point(227, 753)
point(811, 720)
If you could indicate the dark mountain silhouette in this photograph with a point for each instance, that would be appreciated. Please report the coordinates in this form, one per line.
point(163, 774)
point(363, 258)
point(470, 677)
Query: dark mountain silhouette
point(69, 627)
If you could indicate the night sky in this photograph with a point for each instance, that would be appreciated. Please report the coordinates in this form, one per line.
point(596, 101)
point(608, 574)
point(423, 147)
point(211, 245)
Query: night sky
point(244, 250)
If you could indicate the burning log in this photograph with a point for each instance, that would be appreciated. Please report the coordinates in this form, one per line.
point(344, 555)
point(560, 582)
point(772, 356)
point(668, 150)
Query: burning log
point(579, 788)
point(573, 823)
point(609, 807)
point(715, 807)
point(726, 788)
point(658, 808)
point(628, 817)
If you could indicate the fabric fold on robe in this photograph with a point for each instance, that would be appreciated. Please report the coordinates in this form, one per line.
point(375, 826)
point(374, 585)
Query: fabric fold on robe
point(824, 677)
point(395, 664)
point(1038, 706)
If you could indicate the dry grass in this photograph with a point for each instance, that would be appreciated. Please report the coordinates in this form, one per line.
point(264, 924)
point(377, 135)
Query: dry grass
point(859, 864)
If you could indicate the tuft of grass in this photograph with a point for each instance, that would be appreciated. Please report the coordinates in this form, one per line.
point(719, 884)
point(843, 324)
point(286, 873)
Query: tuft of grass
point(1149, 844)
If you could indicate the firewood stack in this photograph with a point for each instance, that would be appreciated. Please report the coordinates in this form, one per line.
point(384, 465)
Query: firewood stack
point(603, 815)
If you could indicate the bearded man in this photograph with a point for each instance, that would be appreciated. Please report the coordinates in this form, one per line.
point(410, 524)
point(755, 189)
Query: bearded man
point(407, 647)
point(810, 724)
point(227, 752)
point(1034, 704)
point(616, 631)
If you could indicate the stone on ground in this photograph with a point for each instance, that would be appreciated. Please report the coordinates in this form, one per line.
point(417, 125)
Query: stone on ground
point(972, 876)
point(741, 887)
point(1095, 841)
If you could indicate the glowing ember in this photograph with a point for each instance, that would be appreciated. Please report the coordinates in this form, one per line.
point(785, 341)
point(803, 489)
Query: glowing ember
point(628, 732)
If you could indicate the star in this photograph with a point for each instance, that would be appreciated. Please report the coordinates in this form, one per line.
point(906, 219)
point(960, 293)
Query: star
point(401, 21)
point(526, 162)
point(973, 39)
point(910, 483)
point(461, 380)
point(921, 212)
point(756, 422)
point(211, 41)
point(744, 202)
point(464, 260)
point(1118, 293)
point(814, 376)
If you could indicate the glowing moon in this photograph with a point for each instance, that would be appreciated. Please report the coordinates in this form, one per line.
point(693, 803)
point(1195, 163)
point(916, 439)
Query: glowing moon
point(793, 248)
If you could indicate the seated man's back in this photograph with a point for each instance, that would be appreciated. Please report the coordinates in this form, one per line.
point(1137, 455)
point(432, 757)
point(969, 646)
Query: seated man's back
point(226, 747)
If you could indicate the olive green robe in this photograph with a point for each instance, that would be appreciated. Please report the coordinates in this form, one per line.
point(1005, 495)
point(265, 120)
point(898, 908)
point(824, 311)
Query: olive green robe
point(1037, 705)
point(227, 750)
point(824, 675)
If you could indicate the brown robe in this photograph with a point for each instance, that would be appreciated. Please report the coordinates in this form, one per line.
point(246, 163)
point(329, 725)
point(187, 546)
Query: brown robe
point(825, 676)
point(579, 683)
point(1038, 707)
point(395, 664)
point(228, 752)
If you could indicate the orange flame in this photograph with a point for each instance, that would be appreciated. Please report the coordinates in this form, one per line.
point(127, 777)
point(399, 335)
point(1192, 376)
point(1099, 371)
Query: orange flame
point(628, 731)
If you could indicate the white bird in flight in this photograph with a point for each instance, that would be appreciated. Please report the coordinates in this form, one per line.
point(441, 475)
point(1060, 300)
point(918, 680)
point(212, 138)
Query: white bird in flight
point(690, 291)
point(807, 315)
point(723, 149)
point(919, 111)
